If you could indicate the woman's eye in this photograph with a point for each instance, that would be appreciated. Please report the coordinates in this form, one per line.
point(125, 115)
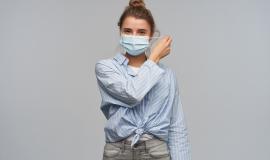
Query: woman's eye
point(142, 33)
point(127, 32)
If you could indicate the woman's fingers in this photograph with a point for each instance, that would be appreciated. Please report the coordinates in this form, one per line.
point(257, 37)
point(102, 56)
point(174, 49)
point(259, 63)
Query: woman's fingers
point(162, 48)
point(169, 41)
point(166, 41)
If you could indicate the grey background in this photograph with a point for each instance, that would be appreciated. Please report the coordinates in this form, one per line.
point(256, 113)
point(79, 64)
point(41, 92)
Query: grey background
point(49, 100)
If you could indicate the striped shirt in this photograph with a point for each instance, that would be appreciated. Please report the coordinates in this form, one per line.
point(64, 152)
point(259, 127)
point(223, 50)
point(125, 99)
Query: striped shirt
point(144, 136)
point(144, 102)
point(135, 69)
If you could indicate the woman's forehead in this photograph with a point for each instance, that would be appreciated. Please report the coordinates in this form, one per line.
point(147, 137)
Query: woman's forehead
point(135, 23)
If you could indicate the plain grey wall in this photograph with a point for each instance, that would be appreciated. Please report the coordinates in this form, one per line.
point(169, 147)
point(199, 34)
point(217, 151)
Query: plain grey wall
point(49, 100)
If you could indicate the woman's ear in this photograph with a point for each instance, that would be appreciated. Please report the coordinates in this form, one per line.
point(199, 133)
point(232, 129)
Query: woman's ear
point(150, 37)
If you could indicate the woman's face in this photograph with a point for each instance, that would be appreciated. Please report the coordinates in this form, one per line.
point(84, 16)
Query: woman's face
point(136, 27)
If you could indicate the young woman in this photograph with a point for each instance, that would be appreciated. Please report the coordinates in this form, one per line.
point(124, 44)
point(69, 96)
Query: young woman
point(140, 95)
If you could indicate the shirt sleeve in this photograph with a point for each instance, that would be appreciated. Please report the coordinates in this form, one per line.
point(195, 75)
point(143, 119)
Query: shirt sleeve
point(128, 90)
point(179, 144)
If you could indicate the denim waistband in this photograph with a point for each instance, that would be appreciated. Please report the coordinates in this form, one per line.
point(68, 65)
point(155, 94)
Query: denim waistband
point(140, 144)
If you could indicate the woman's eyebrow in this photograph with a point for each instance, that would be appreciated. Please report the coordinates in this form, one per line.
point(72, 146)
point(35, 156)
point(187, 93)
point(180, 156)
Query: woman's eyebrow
point(142, 30)
point(127, 29)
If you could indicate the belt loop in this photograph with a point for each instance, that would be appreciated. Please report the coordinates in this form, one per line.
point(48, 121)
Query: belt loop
point(123, 146)
point(145, 147)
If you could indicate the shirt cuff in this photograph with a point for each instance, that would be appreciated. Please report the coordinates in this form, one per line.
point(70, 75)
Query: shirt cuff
point(151, 64)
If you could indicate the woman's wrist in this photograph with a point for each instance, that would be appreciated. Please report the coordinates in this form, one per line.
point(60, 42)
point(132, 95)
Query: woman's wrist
point(154, 58)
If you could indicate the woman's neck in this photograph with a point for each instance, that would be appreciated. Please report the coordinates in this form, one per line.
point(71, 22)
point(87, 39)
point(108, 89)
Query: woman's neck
point(136, 61)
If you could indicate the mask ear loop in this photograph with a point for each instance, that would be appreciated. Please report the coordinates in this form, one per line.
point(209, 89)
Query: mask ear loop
point(152, 39)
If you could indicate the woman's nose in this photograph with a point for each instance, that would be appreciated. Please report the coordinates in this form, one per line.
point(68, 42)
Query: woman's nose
point(135, 34)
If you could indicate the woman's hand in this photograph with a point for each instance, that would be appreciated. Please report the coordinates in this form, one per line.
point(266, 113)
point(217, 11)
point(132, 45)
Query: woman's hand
point(162, 49)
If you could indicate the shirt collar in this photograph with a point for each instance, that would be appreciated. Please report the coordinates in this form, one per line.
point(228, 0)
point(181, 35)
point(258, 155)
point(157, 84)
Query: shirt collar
point(121, 59)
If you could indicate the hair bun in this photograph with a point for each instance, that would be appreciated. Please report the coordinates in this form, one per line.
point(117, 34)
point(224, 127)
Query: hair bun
point(136, 3)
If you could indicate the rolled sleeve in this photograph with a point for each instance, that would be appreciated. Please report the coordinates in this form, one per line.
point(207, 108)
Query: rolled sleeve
point(128, 90)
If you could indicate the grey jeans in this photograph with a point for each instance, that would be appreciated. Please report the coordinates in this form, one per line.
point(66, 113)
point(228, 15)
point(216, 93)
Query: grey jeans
point(153, 149)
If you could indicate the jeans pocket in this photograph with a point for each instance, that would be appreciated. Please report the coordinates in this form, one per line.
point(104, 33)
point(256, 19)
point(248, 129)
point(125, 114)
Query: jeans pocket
point(159, 151)
point(111, 151)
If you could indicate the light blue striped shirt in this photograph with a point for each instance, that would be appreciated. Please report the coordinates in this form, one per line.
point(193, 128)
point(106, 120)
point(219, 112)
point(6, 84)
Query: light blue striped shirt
point(146, 102)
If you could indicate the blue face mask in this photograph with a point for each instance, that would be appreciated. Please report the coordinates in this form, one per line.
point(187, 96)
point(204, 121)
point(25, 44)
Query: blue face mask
point(134, 45)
